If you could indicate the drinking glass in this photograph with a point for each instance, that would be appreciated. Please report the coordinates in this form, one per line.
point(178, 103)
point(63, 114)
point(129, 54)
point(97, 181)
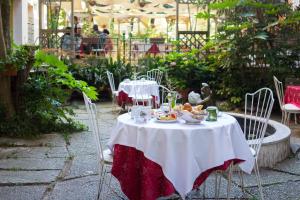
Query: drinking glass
point(212, 113)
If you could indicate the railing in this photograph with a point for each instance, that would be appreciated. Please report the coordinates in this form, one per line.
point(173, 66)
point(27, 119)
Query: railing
point(129, 50)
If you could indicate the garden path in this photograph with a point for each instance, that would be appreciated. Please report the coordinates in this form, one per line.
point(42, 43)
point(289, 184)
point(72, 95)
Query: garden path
point(62, 167)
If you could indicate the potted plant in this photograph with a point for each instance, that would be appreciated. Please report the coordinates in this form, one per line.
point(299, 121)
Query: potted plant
point(15, 60)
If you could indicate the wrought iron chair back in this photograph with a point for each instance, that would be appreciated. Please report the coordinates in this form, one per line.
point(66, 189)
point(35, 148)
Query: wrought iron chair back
point(111, 80)
point(155, 74)
point(93, 123)
point(279, 91)
point(142, 95)
point(163, 96)
point(258, 108)
point(144, 77)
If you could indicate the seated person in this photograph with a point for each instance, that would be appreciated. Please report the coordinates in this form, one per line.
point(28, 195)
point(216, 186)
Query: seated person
point(78, 38)
point(66, 40)
point(102, 39)
point(96, 33)
point(108, 45)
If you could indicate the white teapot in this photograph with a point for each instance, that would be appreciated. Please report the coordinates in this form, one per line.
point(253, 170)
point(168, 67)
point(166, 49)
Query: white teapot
point(194, 98)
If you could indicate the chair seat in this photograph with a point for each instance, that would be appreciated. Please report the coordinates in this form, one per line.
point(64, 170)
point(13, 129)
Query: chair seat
point(290, 108)
point(108, 157)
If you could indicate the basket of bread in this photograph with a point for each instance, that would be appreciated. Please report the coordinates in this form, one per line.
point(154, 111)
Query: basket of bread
point(190, 114)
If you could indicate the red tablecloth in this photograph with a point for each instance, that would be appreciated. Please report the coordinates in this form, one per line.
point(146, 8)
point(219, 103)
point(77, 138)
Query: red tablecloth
point(143, 179)
point(124, 99)
point(292, 95)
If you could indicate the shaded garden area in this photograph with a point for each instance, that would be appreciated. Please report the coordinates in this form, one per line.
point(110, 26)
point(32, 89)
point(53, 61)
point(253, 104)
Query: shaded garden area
point(60, 131)
point(253, 42)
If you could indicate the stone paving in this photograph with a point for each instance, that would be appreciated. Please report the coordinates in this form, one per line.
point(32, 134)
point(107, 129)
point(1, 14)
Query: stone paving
point(58, 167)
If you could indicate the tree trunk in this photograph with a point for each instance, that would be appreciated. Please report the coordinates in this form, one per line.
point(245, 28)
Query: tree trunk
point(19, 81)
point(5, 81)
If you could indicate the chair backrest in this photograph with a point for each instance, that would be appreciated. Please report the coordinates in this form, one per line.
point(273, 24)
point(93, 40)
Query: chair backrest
point(111, 80)
point(279, 91)
point(163, 96)
point(258, 108)
point(144, 77)
point(93, 123)
point(141, 94)
point(155, 74)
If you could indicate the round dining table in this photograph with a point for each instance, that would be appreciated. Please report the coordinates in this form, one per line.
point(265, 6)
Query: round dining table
point(155, 159)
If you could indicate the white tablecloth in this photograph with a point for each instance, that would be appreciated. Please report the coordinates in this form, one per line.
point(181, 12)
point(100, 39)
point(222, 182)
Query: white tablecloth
point(185, 151)
point(139, 87)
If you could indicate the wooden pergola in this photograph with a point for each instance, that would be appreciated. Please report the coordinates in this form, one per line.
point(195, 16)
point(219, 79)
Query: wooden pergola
point(50, 37)
point(191, 39)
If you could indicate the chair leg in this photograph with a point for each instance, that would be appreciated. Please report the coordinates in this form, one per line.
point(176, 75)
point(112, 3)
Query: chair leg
point(217, 185)
point(204, 189)
point(282, 117)
point(258, 179)
point(288, 119)
point(241, 177)
point(229, 181)
point(101, 174)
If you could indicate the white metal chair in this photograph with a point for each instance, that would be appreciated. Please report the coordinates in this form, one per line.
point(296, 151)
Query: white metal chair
point(163, 96)
point(144, 77)
point(258, 108)
point(104, 156)
point(286, 109)
point(114, 92)
point(142, 97)
point(155, 74)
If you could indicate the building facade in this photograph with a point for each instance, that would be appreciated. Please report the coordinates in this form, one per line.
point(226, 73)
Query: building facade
point(25, 21)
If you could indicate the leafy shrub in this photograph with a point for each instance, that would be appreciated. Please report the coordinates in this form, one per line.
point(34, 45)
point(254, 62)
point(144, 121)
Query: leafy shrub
point(186, 70)
point(43, 96)
point(17, 57)
point(255, 40)
point(93, 71)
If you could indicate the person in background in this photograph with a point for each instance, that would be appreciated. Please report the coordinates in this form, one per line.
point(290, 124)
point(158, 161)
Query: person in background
point(96, 29)
point(66, 40)
point(78, 38)
point(78, 42)
point(96, 32)
point(76, 22)
point(108, 44)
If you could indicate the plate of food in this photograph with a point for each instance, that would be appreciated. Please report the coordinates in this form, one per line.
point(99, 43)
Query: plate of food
point(191, 115)
point(168, 118)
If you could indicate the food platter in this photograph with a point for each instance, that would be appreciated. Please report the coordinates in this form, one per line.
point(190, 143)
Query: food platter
point(191, 115)
point(167, 118)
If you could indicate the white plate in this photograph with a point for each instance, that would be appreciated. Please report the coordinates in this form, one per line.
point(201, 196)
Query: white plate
point(166, 121)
